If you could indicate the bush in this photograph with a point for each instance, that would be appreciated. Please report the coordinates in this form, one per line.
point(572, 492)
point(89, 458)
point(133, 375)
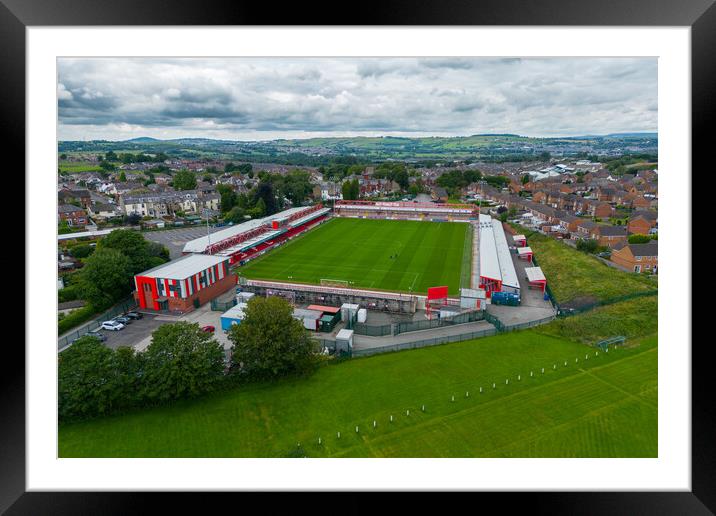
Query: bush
point(587, 245)
point(67, 294)
point(75, 318)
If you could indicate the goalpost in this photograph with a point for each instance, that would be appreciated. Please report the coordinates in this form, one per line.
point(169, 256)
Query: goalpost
point(328, 282)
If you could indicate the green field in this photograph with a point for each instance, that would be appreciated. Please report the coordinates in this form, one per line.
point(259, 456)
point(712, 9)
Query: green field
point(605, 406)
point(359, 251)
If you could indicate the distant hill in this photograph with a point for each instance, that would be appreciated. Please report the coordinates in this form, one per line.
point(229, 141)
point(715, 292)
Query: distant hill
point(498, 147)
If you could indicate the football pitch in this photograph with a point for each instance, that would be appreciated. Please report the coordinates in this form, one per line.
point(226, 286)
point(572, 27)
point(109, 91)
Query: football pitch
point(407, 256)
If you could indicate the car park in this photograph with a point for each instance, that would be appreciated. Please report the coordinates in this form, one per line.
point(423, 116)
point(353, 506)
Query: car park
point(112, 325)
point(97, 335)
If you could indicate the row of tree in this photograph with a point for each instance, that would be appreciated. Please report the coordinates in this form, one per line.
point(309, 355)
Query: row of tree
point(182, 361)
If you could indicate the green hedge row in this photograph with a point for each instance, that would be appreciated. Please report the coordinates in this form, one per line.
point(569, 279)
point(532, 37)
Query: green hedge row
point(67, 294)
point(76, 318)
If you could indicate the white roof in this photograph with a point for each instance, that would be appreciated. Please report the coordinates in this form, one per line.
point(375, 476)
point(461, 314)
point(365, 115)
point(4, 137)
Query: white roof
point(524, 250)
point(200, 244)
point(495, 259)
point(308, 217)
point(535, 274)
point(235, 312)
point(184, 267)
point(436, 209)
point(519, 237)
point(344, 334)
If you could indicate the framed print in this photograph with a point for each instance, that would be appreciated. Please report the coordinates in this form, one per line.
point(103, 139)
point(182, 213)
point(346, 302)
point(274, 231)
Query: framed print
point(419, 252)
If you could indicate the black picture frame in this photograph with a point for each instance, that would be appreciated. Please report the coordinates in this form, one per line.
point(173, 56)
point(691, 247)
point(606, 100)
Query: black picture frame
point(700, 15)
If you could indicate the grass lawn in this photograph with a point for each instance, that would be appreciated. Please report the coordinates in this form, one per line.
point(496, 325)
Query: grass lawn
point(359, 251)
point(79, 166)
point(604, 406)
point(633, 318)
point(575, 276)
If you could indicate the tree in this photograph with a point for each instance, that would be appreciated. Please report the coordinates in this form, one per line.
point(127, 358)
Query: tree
point(265, 192)
point(184, 180)
point(122, 177)
point(639, 239)
point(588, 245)
point(236, 215)
point(525, 179)
point(269, 342)
point(81, 250)
point(181, 362)
point(86, 384)
point(107, 166)
point(106, 277)
point(142, 253)
point(110, 156)
point(350, 189)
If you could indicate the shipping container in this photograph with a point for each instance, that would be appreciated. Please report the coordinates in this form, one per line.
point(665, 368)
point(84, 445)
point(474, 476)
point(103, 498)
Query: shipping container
point(505, 298)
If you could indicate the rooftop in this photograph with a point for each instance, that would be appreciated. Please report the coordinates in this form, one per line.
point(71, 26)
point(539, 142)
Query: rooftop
point(184, 267)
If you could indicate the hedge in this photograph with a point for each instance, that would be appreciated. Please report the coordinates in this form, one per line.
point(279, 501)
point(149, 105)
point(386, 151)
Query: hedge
point(76, 318)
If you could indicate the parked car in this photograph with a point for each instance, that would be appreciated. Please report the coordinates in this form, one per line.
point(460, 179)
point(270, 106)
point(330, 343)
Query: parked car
point(123, 320)
point(134, 315)
point(112, 325)
point(208, 329)
point(97, 335)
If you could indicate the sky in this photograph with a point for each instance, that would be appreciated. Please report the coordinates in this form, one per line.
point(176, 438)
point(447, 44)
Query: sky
point(272, 98)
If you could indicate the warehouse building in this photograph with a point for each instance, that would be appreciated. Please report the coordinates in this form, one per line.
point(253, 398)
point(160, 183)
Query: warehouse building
point(184, 284)
point(243, 242)
point(497, 271)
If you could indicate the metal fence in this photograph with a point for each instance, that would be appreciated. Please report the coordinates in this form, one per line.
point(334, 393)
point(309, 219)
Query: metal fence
point(566, 312)
point(222, 306)
point(120, 308)
point(372, 331)
point(468, 317)
point(424, 343)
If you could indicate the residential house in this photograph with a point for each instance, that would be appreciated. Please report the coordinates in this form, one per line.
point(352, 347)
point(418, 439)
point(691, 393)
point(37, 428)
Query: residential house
point(73, 215)
point(642, 222)
point(638, 257)
point(609, 236)
point(72, 196)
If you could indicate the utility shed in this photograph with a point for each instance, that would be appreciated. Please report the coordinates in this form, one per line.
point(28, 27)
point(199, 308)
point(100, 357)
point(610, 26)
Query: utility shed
point(520, 240)
point(232, 316)
point(535, 278)
point(344, 341)
point(525, 253)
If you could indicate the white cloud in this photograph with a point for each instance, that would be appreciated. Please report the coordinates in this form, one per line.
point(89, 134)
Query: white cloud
point(264, 98)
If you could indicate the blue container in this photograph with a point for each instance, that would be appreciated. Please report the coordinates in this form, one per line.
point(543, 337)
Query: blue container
point(505, 298)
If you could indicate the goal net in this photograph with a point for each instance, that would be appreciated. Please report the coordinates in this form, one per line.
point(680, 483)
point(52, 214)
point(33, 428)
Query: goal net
point(327, 282)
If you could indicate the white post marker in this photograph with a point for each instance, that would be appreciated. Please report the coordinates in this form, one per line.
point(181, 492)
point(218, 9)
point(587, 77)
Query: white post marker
point(518, 377)
point(339, 435)
point(356, 429)
point(543, 370)
point(576, 360)
point(480, 390)
point(493, 385)
point(507, 381)
point(407, 412)
point(596, 354)
point(565, 363)
point(467, 394)
point(531, 373)
point(374, 423)
point(319, 440)
point(554, 366)
point(391, 418)
point(423, 407)
point(452, 399)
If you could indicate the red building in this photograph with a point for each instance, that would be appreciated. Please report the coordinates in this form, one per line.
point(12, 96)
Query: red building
point(184, 284)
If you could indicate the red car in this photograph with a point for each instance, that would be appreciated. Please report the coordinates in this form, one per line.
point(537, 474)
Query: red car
point(208, 329)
